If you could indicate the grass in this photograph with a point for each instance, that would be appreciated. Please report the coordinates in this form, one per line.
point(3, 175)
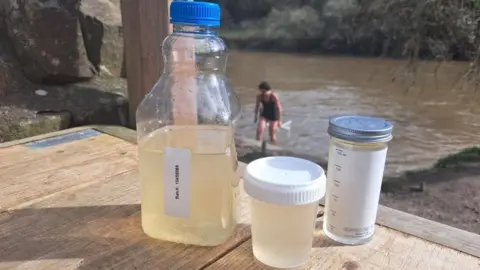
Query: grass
point(466, 158)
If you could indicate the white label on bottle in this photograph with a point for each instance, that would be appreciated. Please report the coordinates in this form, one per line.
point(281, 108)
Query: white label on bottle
point(353, 191)
point(177, 179)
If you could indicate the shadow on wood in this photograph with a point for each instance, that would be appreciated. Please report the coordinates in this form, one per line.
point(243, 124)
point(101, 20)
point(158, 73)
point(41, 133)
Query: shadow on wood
point(95, 237)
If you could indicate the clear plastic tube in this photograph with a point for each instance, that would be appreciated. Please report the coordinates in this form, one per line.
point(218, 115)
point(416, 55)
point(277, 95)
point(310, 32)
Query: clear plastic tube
point(354, 179)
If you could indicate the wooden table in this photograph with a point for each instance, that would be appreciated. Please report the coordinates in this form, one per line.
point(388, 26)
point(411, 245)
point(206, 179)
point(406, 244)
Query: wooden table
point(70, 200)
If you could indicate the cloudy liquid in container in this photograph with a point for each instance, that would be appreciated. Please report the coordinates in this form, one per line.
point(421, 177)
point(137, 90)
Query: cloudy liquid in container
point(356, 162)
point(290, 250)
point(205, 213)
point(284, 194)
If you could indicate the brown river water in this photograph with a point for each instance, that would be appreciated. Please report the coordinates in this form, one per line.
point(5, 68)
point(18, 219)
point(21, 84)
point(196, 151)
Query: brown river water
point(433, 112)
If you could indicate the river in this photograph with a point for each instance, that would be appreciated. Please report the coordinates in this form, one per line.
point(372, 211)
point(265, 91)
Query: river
point(433, 113)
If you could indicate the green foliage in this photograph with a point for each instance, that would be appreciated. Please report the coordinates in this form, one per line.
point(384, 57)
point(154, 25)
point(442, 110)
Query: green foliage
point(298, 23)
point(439, 29)
point(469, 155)
point(435, 29)
point(257, 9)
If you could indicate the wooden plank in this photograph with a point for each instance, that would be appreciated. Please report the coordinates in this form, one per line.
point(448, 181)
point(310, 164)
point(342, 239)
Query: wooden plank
point(389, 249)
point(96, 227)
point(94, 223)
point(22, 155)
point(31, 174)
point(112, 190)
point(429, 230)
point(152, 254)
point(146, 24)
point(402, 241)
point(432, 231)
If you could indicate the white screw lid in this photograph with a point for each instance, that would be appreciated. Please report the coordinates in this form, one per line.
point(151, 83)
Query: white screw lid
point(285, 180)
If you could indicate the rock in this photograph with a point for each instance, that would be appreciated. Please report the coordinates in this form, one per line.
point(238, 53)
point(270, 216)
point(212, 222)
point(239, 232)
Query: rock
point(60, 42)
point(4, 76)
point(102, 28)
point(419, 188)
point(99, 101)
point(53, 40)
point(11, 76)
point(18, 123)
point(48, 40)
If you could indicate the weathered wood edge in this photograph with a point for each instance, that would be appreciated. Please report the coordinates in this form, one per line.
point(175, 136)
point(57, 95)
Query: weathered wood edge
point(123, 133)
point(116, 131)
point(435, 232)
point(429, 230)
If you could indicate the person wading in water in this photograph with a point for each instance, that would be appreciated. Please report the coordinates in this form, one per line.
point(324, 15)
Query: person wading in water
point(271, 112)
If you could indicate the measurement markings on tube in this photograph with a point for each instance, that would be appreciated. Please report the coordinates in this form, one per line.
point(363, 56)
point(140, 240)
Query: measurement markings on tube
point(340, 152)
point(338, 168)
point(336, 183)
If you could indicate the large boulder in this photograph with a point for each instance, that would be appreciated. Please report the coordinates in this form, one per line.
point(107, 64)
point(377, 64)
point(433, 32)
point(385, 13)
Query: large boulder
point(18, 123)
point(35, 109)
point(60, 42)
point(101, 22)
point(44, 42)
point(11, 76)
point(48, 40)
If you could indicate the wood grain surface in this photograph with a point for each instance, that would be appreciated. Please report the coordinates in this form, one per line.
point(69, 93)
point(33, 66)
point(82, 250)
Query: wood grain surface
point(389, 249)
point(74, 204)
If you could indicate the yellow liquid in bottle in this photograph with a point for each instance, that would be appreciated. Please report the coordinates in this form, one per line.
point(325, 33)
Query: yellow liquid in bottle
point(211, 209)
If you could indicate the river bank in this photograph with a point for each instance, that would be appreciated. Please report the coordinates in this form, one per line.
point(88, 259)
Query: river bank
point(440, 30)
point(447, 192)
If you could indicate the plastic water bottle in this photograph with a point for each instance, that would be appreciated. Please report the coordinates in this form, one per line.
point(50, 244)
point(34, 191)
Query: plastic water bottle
point(185, 132)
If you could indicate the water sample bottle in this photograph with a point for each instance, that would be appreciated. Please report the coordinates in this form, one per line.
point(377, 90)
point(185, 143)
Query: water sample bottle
point(356, 161)
point(185, 133)
point(284, 194)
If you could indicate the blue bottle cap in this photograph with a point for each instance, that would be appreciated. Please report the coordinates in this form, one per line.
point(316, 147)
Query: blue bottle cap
point(195, 13)
point(360, 128)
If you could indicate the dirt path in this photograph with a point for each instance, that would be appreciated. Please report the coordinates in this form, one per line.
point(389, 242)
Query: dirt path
point(450, 196)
